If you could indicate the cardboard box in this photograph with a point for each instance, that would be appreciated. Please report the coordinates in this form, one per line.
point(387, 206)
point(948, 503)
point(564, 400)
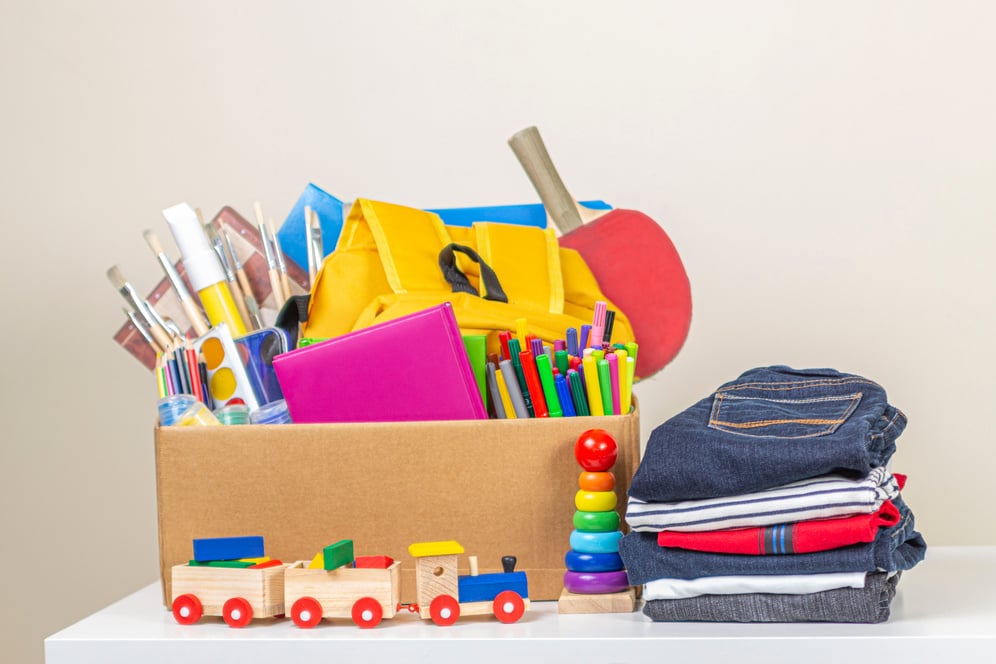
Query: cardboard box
point(499, 487)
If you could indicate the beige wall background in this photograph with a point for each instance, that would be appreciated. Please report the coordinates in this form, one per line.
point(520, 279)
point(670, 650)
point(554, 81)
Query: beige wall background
point(826, 170)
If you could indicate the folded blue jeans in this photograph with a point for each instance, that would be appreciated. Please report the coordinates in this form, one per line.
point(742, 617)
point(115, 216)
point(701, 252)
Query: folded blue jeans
point(870, 604)
point(894, 549)
point(771, 426)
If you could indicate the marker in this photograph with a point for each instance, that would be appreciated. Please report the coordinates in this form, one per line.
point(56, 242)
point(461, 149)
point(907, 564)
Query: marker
point(605, 386)
point(561, 360)
point(536, 346)
point(513, 348)
point(503, 338)
point(496, 397)
point(549, 387)
point(598, 324)
point(631, 348)
point(521, 330)
point(626, 389)
point(533, 383)
point(578, 393)
point(613, 361)
point(572, 342)
point(585, 334)
point(591, 385)
point(610, 319)
point(564, 395)
point(506, 398)
point(511, 382)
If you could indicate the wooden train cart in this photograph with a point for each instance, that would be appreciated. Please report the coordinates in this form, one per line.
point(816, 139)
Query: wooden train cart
point(366, 595)
point(238, 595)
point(444, 597)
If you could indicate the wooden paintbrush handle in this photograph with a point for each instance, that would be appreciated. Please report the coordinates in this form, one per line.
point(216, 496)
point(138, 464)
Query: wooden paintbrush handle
point(529, 148)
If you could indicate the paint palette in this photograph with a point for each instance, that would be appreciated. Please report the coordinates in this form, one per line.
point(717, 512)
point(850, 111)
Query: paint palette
point(227, 380)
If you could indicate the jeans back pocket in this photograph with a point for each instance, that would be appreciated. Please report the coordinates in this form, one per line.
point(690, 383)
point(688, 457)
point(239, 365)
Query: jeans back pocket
point(762, 417)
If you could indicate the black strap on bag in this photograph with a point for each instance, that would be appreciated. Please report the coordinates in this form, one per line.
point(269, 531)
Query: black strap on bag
point(292, 314)
point(458, 280)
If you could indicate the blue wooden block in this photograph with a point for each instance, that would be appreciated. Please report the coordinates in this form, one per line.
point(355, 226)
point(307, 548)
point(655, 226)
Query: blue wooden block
point(228, 548)
point(485, 587)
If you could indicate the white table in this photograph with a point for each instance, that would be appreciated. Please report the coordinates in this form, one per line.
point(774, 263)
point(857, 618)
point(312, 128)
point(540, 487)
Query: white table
point(945, 610)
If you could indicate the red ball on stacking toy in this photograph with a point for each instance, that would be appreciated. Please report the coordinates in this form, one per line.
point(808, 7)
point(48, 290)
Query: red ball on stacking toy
point(596, 450)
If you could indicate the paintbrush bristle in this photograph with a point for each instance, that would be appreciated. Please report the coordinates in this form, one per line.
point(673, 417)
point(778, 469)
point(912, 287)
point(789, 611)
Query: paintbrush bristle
point(116, 278)
point(153, 241)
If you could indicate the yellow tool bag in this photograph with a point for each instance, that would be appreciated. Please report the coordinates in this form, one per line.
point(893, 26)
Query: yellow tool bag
point(394, 260)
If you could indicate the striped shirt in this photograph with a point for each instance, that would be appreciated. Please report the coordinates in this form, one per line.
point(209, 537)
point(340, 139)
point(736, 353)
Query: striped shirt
point(820, 497)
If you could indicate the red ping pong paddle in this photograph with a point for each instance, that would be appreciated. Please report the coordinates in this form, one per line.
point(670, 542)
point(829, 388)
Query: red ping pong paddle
point(632, 258)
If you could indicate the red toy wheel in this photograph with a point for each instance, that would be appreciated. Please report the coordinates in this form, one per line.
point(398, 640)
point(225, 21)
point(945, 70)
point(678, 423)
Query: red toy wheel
point(187, 609)
point(508, 606)
point(367, 612)
point(306, 612)
point(237, 612)
point(444, 610)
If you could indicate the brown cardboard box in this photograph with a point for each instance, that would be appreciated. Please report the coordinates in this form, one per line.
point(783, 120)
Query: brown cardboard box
point(499, 487)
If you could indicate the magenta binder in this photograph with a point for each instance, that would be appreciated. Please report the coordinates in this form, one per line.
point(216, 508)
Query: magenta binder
point(410, 368)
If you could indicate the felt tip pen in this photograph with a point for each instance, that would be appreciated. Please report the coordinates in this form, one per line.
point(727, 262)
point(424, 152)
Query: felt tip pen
point(515, 350)
point(203, 268)
point(521, 330)
point(585, 333)
point(591, 385)
point(497, 401)
point(572, 342)
point(511, 412)
point(613, 361)
point(533, 383)
point(510, 380)
point(549, 387)
point(578, 393)
point(598, 324)
point(564, 395)
point(562, 361)
point(503, 338)
point(605, 385)
point(626, 389)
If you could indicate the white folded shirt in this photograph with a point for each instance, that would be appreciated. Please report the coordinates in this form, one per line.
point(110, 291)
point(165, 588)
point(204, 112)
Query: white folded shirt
point(820, 497)
point(784, 584)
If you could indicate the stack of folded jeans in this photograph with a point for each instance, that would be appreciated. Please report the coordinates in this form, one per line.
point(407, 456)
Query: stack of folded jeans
point(771, 500)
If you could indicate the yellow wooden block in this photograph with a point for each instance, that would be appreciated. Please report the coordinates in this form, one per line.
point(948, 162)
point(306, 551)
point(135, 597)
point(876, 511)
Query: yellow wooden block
point(422, 549)
point(255, 561)
point(318, 562)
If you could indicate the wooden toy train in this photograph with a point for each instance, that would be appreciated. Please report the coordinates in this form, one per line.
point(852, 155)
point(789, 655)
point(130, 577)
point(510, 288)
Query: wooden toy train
point(230, 577)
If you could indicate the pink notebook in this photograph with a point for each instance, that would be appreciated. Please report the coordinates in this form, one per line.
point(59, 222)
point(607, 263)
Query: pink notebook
point(410, 368)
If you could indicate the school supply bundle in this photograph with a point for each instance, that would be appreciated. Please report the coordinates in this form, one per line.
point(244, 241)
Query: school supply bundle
point(394, 260)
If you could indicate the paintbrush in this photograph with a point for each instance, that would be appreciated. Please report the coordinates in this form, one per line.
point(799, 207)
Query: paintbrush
point(251, 306)
point(313, 242)
point(194, 314)
point(271, 262)
point(142, 329)
point(281, 264)
point(143, 308)
point(226, 265)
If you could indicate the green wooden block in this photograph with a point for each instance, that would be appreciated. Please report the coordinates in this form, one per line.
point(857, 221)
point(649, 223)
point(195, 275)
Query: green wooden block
point(338, 554)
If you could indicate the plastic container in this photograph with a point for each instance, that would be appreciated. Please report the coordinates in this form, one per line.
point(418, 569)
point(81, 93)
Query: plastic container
point(274, 412)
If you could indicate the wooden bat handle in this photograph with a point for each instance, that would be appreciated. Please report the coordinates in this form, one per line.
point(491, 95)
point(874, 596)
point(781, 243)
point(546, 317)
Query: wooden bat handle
point(529, 148)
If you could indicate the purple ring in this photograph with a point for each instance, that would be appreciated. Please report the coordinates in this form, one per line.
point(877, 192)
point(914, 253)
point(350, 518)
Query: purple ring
point(596, 583)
